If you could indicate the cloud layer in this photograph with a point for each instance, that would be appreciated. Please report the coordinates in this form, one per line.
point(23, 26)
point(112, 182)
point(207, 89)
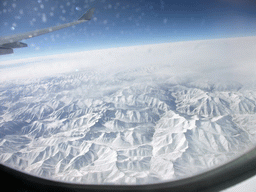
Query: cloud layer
point(220, 59)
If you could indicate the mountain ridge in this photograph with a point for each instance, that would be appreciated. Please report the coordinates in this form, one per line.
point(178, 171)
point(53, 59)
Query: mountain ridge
point(146, 132)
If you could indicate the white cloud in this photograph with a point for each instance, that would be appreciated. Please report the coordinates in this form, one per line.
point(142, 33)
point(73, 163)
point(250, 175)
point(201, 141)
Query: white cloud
point(220, 59)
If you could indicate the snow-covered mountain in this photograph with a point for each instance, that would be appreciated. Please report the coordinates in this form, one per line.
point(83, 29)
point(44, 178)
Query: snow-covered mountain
point(130, 115)
point(86, 127)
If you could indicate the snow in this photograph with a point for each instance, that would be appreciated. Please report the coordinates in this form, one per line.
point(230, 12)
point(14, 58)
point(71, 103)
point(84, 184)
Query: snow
point(148, 118)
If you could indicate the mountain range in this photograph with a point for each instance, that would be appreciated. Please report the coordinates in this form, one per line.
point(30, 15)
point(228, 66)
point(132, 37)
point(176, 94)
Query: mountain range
point(130, 127)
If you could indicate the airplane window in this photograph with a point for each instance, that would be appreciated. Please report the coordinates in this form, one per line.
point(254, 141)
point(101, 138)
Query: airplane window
point(127, 93)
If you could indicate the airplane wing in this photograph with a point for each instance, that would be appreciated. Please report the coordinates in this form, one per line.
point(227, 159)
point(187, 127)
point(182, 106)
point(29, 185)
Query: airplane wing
point(7, 43)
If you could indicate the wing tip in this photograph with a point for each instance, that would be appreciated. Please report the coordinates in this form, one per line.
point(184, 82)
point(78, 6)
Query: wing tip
point(88, 15)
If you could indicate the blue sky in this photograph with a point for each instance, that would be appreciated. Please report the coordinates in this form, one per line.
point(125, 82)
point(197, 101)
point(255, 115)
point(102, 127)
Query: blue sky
point(123, 23)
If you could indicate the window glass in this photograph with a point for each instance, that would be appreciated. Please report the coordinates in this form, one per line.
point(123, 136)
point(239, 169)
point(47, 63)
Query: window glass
point(144, 92)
